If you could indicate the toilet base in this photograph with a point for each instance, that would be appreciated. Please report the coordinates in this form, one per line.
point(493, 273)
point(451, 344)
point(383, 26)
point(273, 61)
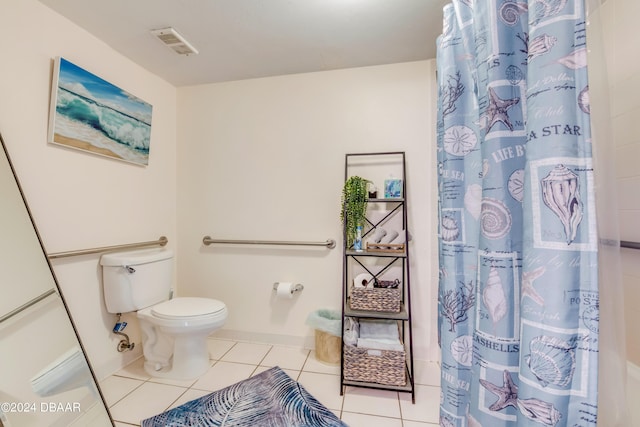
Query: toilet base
point(190, 359)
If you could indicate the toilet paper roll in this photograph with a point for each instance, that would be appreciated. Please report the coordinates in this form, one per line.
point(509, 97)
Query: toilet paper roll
point(284, 290)
point(363, 280)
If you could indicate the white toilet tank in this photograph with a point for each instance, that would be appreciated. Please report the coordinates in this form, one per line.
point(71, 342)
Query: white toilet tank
point(137, 279)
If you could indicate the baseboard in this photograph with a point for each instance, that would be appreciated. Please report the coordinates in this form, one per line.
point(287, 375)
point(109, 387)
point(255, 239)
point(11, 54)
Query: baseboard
point(307, 342)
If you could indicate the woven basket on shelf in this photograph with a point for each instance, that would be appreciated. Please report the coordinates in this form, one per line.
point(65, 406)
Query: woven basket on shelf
point(376, 299)
point(374, 366)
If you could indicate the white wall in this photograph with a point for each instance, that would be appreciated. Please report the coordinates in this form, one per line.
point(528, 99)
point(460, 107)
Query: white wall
point(264, 159)
point(623, 60)
point(81, 200)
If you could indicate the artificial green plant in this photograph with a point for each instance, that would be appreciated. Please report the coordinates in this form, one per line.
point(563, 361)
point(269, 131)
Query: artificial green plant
point(354, 206)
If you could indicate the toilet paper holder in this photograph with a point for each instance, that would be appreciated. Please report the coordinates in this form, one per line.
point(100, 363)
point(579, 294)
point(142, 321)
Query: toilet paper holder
point(296, 288)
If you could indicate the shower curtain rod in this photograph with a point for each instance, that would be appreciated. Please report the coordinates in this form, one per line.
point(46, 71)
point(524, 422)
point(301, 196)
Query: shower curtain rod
point(329, 243)
point(162, 241)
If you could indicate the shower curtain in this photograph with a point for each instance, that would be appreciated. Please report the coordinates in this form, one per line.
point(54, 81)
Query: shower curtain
point(518, 294)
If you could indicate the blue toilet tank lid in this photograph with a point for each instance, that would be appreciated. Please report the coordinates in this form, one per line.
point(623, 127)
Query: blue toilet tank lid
point(143, 256)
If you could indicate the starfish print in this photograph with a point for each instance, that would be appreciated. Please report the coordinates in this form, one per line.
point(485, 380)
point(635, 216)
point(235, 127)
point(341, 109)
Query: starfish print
point(527, 289)
point(497, 111)
point(507, 394)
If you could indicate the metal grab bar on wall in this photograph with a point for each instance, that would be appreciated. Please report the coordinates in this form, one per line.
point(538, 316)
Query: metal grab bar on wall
point(27, 304)
point(162, 241)
point(629, 245)
point(329, 243)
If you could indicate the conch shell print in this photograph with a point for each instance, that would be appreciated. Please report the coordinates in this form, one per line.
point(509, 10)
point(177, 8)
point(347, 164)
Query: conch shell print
point(542, 9)
point(493, 296)
point(561, 194)
point(541, 45)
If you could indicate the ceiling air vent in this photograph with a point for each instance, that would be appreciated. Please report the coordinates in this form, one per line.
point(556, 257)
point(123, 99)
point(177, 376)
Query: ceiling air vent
point(172, 39)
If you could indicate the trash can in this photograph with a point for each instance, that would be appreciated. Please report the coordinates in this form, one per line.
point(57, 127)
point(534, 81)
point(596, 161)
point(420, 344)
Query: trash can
point(327, 325)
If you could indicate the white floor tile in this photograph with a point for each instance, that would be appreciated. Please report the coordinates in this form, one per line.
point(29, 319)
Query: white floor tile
point(146, 401)
point(314, 365)
point(218, 348)
point(246, 353)
point(427, 406)
point(372, 401)
point(356, 420)
point(134, 370)
point(324, 387)
point(189, 395)
point(285, 357)
point(222, 375)
point(406, 423)
point(293, 374)
point(115, 388)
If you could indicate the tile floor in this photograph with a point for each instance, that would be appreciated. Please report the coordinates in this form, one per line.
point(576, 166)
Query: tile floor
point(133, 396)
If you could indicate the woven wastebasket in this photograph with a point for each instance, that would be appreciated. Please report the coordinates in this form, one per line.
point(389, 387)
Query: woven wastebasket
point(327, 325)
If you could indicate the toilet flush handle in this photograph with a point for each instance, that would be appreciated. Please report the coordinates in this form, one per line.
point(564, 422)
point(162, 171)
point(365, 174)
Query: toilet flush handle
point(129, 269)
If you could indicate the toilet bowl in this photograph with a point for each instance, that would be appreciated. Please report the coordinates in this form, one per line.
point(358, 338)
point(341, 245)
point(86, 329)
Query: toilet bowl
point(174, 331)
point(174, 336)
point(67, 372)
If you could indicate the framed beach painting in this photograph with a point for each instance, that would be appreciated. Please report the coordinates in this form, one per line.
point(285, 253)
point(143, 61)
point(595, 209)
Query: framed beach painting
point(88, 113)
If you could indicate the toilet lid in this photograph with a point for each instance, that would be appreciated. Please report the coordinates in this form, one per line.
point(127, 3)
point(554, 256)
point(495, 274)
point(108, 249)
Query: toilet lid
point(187, 307)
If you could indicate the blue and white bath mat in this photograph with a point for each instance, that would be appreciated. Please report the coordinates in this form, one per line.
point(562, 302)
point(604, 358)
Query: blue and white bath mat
point(270, 398)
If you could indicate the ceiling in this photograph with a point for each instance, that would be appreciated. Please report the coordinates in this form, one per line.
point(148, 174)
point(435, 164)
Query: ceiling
point(242, 39)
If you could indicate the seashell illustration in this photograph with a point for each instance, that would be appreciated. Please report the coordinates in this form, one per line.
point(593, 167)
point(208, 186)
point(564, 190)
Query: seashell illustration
point(516, 185)
point(576, 59)
point(561, 194)
point(472, 200)
point(583, 100)
point(541, 45)
point(552, 360)
point(459, 140)
point(485, 168)
point(510, 12)
point(514, 74)
point(493, 296)
point(495, 218)
point(539, 411)
point(462, 349)
point(545, 8)
point(449, 229)
point(446, 422)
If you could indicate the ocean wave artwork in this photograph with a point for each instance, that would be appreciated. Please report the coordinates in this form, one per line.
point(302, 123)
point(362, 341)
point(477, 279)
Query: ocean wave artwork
point(91, 114)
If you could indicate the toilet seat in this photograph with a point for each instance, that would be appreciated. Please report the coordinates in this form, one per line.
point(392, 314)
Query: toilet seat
point(185, 308)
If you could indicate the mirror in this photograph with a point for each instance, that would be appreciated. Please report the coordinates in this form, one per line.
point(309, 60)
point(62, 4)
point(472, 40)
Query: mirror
point(45, 378)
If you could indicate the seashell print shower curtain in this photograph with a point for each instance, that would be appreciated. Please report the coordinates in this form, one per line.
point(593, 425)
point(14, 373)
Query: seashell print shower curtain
point(518, 291)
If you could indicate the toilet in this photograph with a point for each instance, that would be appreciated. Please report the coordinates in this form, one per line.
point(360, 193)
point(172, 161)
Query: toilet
point(174, 331)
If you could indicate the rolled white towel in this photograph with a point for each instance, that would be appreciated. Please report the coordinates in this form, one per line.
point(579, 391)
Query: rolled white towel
point(378, 235)
point(391, 235)
point(402, 238)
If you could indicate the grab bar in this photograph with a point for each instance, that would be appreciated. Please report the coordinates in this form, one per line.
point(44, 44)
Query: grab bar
point(329, 243)
point(27, 304)
point(162, 241)
point(629, 245)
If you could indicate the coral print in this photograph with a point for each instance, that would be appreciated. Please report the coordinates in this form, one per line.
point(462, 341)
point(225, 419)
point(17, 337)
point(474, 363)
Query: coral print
point(450, 92)
point(455, 305)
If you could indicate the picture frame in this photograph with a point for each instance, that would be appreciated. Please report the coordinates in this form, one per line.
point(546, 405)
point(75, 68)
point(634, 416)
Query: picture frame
point(88, 113)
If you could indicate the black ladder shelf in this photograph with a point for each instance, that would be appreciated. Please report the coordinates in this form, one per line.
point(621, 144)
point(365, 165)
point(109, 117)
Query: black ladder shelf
point(377, 263)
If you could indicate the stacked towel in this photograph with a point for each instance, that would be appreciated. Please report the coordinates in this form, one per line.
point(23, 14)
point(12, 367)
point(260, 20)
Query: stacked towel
point(373, 334)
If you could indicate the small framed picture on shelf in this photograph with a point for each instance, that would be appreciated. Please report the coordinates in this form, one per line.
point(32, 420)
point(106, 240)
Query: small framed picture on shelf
point(392, 188)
